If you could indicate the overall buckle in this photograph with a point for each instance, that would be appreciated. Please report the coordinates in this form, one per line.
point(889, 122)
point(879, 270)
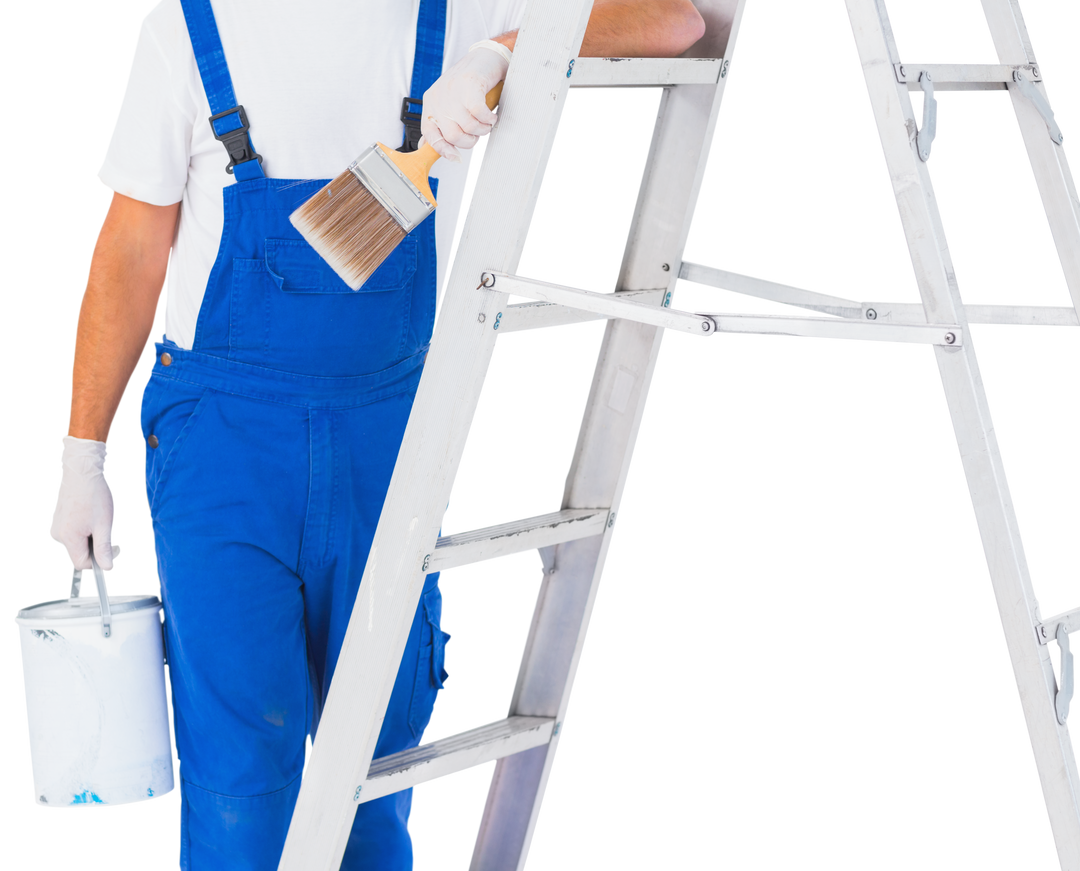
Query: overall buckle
point(236, 141)
point(410, 117)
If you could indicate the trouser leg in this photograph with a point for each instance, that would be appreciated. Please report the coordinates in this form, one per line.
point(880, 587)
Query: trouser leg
point(226, 481)
point(263, 517)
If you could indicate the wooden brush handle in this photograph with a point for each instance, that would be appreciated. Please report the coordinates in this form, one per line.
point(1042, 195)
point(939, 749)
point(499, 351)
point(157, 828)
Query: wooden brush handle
point(417, 166)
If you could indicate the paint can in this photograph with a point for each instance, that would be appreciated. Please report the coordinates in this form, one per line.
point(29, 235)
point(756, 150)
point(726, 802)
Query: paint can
point(95, 698)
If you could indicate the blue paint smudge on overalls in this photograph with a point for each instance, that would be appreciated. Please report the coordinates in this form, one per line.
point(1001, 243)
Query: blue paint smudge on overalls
point(276, 438)
point(86, 797)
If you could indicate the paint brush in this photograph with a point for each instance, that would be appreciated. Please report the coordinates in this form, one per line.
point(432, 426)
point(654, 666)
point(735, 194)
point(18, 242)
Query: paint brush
point(358, 219)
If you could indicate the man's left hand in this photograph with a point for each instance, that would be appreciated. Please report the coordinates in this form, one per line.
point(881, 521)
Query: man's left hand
point(455, 112)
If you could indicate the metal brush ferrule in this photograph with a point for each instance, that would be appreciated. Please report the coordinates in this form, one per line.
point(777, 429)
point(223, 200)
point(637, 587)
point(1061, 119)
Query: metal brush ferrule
point(391, 188)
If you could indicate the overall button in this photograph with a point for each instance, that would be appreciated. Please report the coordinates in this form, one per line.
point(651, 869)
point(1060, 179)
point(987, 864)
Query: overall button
point(166, 359)
point(152, 441)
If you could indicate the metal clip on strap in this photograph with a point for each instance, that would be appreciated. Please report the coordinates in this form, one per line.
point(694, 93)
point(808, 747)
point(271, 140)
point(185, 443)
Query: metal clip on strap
point(236, 140)
point(410, 117)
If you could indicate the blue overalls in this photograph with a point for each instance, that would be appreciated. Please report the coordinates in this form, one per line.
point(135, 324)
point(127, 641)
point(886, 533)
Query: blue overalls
point(270, 446)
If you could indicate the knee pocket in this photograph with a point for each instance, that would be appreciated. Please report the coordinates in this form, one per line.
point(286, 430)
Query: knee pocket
point(430, 666)
point(242, 833)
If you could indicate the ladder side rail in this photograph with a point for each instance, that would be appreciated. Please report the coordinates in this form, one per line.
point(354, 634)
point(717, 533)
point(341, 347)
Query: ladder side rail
point(665, 205)
point(975, 435)
point(1048, 161)
point(493, 237)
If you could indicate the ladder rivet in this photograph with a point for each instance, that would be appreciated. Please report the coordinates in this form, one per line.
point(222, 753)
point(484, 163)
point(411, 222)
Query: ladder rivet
point(871, 314)
point(950, 338)
point(666, 267)
point(481, 317)
point(903, 71)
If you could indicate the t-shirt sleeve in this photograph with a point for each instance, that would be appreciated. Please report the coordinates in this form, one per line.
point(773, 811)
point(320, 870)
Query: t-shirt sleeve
point(506, 15)
point(149, 153)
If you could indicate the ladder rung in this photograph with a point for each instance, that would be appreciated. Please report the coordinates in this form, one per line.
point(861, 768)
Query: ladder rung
point(517, 536)
point(964, 77)
point(609, 72)
point(429, 761)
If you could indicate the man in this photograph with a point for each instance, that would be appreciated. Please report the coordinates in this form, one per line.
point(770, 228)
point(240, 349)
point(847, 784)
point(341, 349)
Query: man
point(277, 404)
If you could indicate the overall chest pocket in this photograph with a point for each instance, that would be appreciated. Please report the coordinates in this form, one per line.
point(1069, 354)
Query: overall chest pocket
point(296, 268)
point(290, 311)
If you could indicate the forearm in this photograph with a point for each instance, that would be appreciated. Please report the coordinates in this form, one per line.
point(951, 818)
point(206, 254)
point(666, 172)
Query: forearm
point(636, 28)
point(126, 275)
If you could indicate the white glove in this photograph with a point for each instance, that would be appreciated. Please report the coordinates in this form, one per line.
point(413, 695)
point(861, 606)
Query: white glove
point(455, 114)
point(85, 504)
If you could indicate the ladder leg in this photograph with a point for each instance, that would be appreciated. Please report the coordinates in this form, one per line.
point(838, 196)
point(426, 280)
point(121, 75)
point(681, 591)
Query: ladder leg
point(626, 362)
point(974, 431)
point(566, 600)
point(1055, 181)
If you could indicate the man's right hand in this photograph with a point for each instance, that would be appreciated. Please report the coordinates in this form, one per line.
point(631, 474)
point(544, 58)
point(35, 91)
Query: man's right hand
point(126, 275)
point(84, 507)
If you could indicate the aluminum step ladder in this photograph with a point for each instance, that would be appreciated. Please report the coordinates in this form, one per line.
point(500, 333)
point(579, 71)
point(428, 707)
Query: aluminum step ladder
point(573, 541)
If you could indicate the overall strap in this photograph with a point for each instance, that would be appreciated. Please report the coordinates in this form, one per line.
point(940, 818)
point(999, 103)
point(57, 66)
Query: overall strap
point(427, 66)
point(228, 121)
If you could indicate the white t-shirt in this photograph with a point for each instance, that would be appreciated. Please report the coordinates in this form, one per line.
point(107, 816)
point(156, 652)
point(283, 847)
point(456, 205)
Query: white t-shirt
point(320, 81)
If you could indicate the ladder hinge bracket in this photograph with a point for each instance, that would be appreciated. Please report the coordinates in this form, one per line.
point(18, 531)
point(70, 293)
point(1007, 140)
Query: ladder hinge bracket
point(1065, 691)
point(1038, 99)
point(928, 131)
point(1057, 629)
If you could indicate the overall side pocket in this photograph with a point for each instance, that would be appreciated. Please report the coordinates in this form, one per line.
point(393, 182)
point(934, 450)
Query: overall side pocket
point(430, 668)
point(169, 411)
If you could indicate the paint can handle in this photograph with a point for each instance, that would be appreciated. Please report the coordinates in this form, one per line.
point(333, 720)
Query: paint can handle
point(103, 595)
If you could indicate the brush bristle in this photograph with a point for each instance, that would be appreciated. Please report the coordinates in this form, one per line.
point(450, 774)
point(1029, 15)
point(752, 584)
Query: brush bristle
point(349, 228)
